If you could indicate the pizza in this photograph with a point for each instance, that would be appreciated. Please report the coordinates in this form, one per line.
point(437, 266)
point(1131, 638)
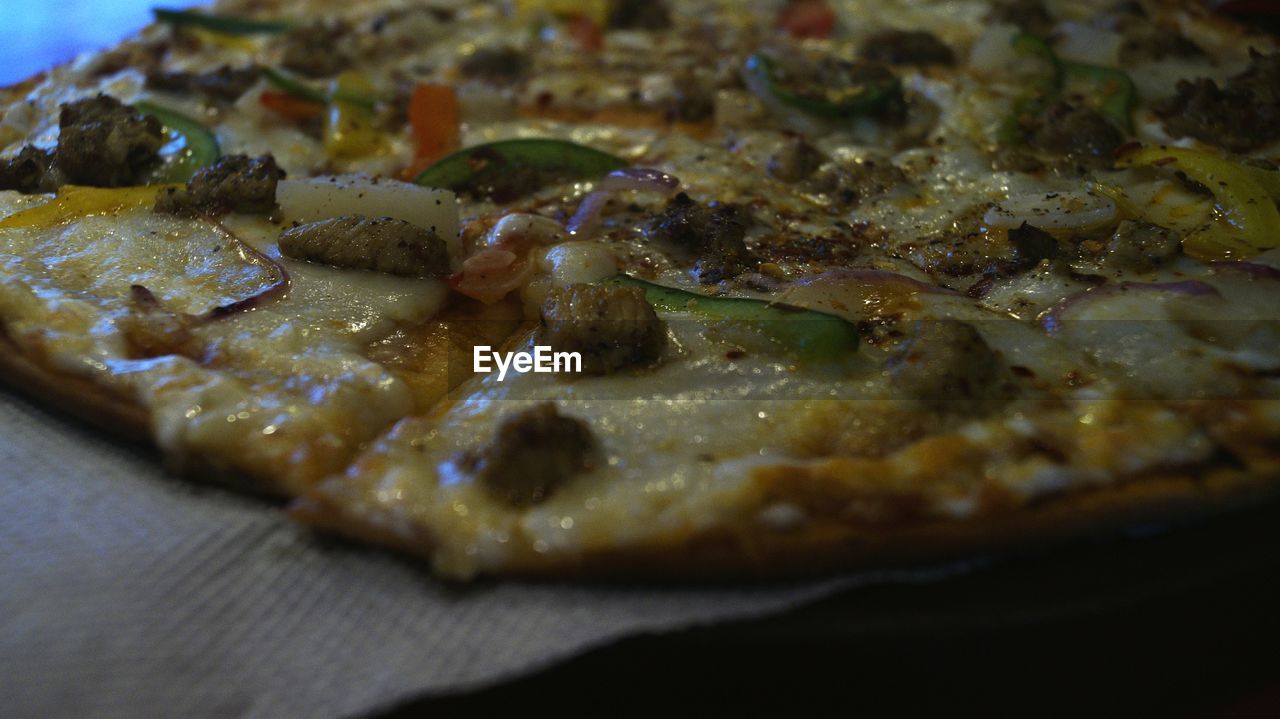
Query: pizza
point(614, 287)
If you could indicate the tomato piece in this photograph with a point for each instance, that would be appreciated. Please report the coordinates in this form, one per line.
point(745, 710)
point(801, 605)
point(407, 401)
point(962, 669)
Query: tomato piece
point(433, 115)
point(291, 106)
point(807, 19)
point(586, 32)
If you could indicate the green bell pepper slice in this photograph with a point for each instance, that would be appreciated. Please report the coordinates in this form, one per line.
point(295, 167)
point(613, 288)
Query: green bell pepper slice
point(808, 334)
point(221, 24)
point(1050, 81)
point(190, 147)
point(507, 169)
point(841, 104)
point(1114, 90)
point(306, 91)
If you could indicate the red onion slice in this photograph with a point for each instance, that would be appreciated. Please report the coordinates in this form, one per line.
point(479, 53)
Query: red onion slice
point(631, 178)
point(1253, 269)
point(1051, 319)
point(145, 297)
point(275, 290)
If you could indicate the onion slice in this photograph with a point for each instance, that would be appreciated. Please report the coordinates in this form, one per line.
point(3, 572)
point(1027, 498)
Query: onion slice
point(1052, 318)
point(1253, 269)
point(274, 291)
point(632, 178)
point(1052, 211)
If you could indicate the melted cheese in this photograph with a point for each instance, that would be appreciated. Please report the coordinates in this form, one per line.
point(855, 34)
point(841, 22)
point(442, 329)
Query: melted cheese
point(710, 438)
point(284, 391)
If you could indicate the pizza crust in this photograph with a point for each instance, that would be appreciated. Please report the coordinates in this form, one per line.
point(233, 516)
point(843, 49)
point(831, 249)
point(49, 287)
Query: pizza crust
point(825, 546)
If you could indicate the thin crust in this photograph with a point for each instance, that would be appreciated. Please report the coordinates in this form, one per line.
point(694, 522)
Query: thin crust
point(824, 547)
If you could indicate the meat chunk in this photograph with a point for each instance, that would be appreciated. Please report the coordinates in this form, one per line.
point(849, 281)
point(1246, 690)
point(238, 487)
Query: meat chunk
point(948, 365)
point(714, 234)
point(1141, 247)
point(496, 64)
point(639, 15)
point(531, 454)
point(796, 160)
point(1155, 43)
point(1031, 245)
point(1028, 15)
point(692, 99)
point(235, 183)
point(105, 143)
point(315, 49)
point(1241, 115)
point(225, 84)
point(611, 327)
point(31, 170)
point(907, 47)
point(382, 244)
point(1077, 133)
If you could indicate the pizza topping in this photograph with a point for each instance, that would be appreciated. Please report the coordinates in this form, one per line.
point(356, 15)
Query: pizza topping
point(336, 92)
point(1242, 114)
point(947, 364)
point(849, 183)
point(382, 244)
point(1140, 247)
point(631, 178)
point(611, 326)
point(1079, 134)
point(1110, 91)
point(1078, 110)
point(1031, 246)
point(1251, 222)
point(350, 128)
point(495, 64)
point(225, 84)
point(433, 115)
point(907, 47)
point(190, 145)
point(315, 49)
point(235, 183)
point(1029, 15)
point(32, 170)
point(105, 143)
point(639, 15)
point(320, 198)
point(222, 24)
point(808, 334)
point(1145, 41)
point(828, 87)
point(795, 160)
point(508, 169)
point(150, 330)
point(714, 234)
point(532, 452)
point(807, 19)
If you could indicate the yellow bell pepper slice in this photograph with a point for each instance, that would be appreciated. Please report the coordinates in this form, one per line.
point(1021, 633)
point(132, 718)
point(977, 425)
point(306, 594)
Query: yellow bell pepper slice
point(1250, 220)
point(349, 129)
point(73, 202)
